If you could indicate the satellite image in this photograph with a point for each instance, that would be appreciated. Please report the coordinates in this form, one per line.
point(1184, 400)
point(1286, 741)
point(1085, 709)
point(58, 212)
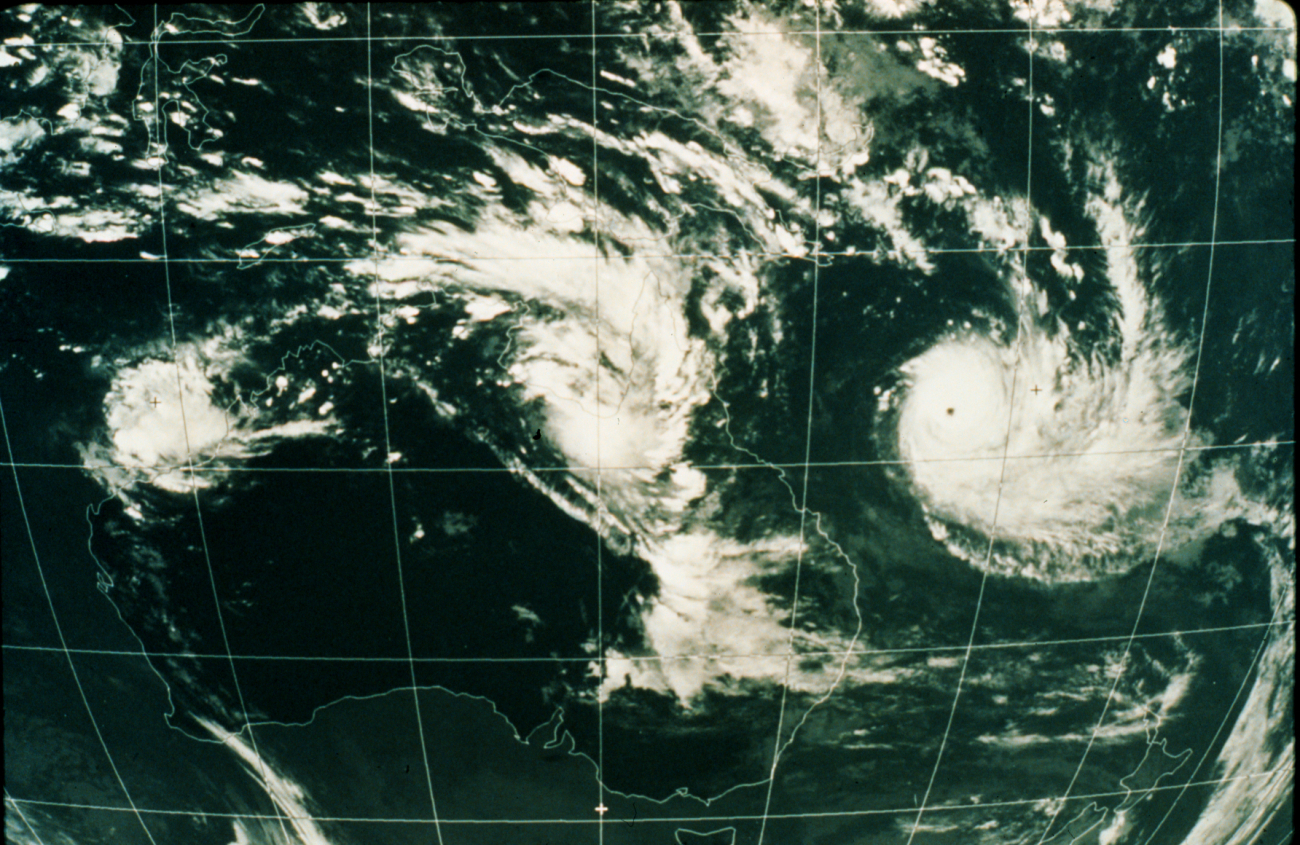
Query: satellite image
point(805, 422)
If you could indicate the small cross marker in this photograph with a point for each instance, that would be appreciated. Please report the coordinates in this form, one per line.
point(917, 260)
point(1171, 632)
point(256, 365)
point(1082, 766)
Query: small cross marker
point(1036, 390)
point(154, 402)
point(602, 809)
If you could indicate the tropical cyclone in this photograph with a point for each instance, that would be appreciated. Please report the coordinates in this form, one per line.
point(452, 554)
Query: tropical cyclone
point(1041, 440)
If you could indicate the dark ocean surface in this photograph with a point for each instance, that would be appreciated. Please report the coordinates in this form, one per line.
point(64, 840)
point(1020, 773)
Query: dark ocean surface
point(635, 603)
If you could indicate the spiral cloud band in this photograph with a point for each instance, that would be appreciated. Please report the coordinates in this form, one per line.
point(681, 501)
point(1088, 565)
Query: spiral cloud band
point(1034, 442)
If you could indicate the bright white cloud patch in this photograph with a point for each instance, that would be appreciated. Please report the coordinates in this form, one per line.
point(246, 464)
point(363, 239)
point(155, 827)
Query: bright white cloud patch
point(1091, 445)
point(160, 414)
